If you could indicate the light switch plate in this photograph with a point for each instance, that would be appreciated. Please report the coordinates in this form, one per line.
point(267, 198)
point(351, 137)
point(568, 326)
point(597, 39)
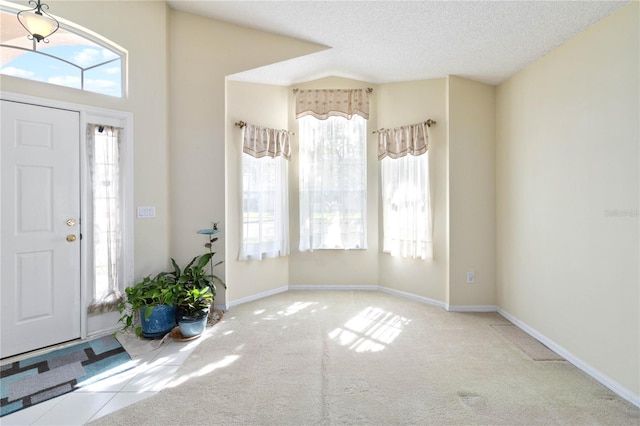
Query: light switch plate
point(146, 212)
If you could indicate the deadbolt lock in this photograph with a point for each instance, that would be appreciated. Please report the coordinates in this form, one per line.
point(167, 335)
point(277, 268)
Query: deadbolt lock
point(71, 238)
point(71, 222)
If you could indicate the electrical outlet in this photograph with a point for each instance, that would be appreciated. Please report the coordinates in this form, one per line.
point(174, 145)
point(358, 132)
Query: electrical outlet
point(471, 276)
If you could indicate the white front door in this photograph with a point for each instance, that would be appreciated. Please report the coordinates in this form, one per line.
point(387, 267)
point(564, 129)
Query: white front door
point(40, 208)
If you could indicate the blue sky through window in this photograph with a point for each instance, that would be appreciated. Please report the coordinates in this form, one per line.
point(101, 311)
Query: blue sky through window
point(79, 58)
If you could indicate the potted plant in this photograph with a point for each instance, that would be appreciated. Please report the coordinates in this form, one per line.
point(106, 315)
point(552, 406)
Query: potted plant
point(196, 290)
point(152, 302)
point(193, 311)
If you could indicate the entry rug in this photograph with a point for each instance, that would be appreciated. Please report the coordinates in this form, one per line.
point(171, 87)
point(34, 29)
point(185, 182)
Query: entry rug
point(33, 380)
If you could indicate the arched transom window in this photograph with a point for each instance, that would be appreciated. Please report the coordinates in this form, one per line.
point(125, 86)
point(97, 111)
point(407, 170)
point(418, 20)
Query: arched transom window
point(72, 57)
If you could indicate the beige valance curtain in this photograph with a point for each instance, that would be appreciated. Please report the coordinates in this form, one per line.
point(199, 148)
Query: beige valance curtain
point(261, 142)
point(395, 143)
point(323, 104)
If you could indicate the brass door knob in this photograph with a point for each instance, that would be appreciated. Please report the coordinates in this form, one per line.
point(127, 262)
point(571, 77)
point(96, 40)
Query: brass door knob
point(71, 238)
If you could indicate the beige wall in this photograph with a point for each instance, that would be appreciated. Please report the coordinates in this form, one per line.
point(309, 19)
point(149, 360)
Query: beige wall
point(147, 100)
point(267, 106)
point(392, 105)
point(202, 53)
point(568, 197)
point(335, 267)
point(472, 195)
point(399, 104)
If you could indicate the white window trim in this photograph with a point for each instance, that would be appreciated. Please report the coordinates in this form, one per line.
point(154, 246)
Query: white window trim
point(123, 119)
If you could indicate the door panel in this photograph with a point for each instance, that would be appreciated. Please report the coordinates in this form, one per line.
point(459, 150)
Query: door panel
point(33, 272)
point(40, 275)
point(34, 187)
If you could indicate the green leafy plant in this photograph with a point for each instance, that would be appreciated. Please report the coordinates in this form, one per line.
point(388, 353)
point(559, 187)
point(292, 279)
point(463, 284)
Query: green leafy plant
point(195, 301)
point(151, 291)
point(191, 288)
point(196, 286)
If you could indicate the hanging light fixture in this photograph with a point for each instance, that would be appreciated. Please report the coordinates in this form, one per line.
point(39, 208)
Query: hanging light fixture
point(38, 22)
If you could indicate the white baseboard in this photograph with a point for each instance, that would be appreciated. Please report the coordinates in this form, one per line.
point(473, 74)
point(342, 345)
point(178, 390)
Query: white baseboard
point(471, 308)
point(406, 295)
point(103, 332)
point(596, 374)
point(220, 306)
point(335, 287)
point(412, 296)
point(257, 296)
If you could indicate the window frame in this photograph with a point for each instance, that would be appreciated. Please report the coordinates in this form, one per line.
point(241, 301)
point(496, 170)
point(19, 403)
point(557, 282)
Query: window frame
point(364, 169)
point(89, 219)
point(422, 249)
point(70, 27)
point(279, 165)
point(123, 120)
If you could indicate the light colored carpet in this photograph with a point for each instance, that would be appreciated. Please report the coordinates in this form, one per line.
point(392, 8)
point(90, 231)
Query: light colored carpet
point(530, 346)
point(322, 358)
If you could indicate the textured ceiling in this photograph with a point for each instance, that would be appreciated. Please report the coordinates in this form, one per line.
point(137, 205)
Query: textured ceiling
point(391, 41)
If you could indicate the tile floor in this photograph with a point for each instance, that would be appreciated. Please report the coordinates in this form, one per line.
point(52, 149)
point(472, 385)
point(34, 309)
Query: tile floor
point(152, 372)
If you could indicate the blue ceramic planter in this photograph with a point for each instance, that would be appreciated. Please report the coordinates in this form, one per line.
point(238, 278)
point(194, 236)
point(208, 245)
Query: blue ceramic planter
point(192, 325)
point(161, 321)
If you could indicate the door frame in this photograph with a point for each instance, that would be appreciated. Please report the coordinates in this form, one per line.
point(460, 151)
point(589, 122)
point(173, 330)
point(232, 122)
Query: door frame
point(100, 323)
